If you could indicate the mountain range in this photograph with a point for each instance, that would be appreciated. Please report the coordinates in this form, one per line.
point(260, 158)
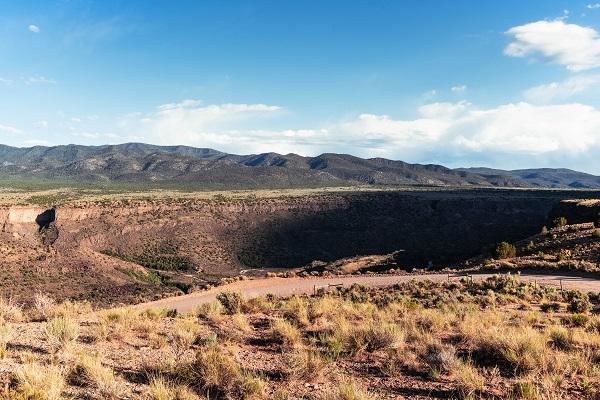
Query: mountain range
point(207, 168)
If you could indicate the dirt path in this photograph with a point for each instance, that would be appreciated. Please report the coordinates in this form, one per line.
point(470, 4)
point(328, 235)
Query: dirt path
point(290, 286)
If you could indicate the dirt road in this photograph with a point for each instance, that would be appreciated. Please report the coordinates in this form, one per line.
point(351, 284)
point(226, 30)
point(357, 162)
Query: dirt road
point(290, 286)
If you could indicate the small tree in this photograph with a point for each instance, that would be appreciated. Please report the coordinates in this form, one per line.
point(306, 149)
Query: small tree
point(505, 250)
point(559, 222)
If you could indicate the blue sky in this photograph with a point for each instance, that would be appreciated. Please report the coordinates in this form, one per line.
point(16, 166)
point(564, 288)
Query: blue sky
point(508, 84)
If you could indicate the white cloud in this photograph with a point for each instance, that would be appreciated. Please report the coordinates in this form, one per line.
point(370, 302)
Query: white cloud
point(41, 124)
point(460, 132)
point(593, 6)
point(191, 123)
point(574, 46)
point(560, 91)
point(459, 88)
point(38, 79)
point(34, 28)
point(5, 81)
point(9, 129)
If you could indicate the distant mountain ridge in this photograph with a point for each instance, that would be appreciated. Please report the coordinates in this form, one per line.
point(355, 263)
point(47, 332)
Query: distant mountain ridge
point(209, 168)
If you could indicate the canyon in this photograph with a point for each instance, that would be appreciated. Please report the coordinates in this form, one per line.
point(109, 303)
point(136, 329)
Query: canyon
point(134, 249)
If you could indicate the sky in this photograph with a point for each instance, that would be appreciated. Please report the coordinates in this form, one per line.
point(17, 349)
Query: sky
point(510, 84)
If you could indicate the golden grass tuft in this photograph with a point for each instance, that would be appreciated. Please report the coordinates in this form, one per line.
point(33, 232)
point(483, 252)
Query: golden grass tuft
point(469, 382)
point(303, 364)
point(36, 381)
point(9, 311)
point(286, 333)
point(161, 389)
point(89, 371)
point(61, 332)
point(348, 390)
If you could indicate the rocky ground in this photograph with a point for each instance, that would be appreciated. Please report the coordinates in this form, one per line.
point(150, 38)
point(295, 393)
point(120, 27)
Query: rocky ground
point(494, 339)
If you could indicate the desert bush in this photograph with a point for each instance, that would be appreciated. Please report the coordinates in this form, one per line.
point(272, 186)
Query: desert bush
point(35, 381)
point(580, 320)
point(9, 311)
point(304, 364)
point(184, 335)
point(469, 382)
point(550, 307)
point(217, 372)
point(286, 333)
point(161, 389)
point(438, 357)
point(211, 311)
point(232, 302)
point(579, 304)
point(44, 306)
point(505, 250)
point(333, 344)
point(375, 336)
point(295, 309)
point(348, 390)
point(524, 390)
point(561, 337)
point(544, 231)
point(241, 323)
point(61, 331)
point(521, 350)
point(89, 371)
point(559, 222)
point(6, 334)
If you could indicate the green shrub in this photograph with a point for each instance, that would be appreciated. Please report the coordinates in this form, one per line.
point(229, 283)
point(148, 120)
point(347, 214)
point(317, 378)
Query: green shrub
point(559, 222)
point(580, 304)
point(232, 302)
point(505, 250)
point(550, 307)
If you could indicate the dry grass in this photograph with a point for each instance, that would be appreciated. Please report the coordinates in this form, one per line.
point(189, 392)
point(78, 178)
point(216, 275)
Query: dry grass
point(306, 365)
point(36, 381)
point(468, 379)
point(61, 332)
point(458, 338)
point(88, 370)
point(161, 389)
point(212, 311)
point(348, 390)
point(9, 311)
point(286, 333)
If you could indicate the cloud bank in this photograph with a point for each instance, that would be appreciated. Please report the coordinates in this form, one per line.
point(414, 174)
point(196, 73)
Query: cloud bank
point(573, 46)
point(458, 133)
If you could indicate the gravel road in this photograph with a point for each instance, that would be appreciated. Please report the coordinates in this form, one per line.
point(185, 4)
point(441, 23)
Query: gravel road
point(290, 286)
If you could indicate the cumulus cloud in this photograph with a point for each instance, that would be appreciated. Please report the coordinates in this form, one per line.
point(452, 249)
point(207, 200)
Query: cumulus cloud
point(9, 129)
point(573, 46)
point(41, 124)
point(34, 28)
point(192, 123)
point(593, 6)
point(459, 88)
point(456, 133)
point(560, 91)
point(38, 80)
